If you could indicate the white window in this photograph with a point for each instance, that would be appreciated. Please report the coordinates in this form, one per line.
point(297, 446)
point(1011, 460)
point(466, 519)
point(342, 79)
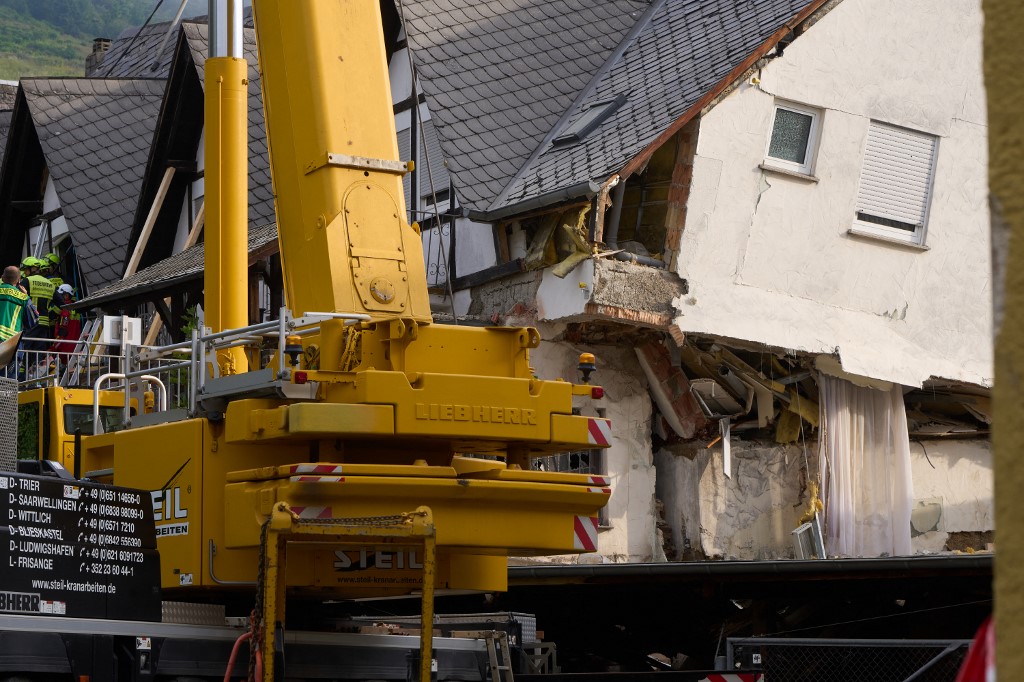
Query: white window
point(895, 183)
point(794, 138)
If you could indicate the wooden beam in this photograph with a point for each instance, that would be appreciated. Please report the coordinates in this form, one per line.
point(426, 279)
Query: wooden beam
point(158, 322)
point(190, 241)
point(197, 227)
point(147, 228)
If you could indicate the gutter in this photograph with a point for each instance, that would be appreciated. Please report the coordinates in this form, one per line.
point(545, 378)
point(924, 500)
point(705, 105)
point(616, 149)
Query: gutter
point(586, 188)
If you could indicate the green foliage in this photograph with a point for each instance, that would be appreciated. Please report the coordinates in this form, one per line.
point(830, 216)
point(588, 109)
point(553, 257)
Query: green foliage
point(53, 37)
point(84, 18)
point(28, 431)
point(190, 321)
point(31, 47)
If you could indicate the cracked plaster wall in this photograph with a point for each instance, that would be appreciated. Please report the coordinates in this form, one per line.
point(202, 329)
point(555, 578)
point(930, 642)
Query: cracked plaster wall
point(958, 475)
point(751, 515)
point(511, 296)
point(632, 535)
point(767, 256)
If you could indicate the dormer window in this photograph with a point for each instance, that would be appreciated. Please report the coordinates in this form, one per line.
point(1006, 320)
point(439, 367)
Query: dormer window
point(588, 121)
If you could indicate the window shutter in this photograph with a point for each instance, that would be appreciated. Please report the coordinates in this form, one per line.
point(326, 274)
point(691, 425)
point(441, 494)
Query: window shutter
point(896, 180)
point(435, 160)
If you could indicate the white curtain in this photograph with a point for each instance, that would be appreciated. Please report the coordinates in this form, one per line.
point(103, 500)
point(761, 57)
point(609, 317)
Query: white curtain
point(865, 470)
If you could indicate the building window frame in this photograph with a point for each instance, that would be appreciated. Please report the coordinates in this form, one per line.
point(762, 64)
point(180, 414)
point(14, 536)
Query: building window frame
point(806, 165)
point(915, 184)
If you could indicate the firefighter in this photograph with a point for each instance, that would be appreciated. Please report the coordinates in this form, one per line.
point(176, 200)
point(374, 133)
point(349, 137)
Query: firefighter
point(40, 292)
point(13, 301)
point(51, 269)
point(29, 267)
point(67, 323)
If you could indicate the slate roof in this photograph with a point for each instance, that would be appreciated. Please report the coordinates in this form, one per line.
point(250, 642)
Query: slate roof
point(133, 53)
point(501, 83)
point(261, 197)
point(173, 270)
point(5, 126)
point(95, 135)
point(8, 94)
point(142, 44)
point(499, 74)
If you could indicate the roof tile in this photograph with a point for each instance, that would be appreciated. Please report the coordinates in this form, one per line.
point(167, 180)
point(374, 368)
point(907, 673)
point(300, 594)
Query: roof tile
point(95, 135)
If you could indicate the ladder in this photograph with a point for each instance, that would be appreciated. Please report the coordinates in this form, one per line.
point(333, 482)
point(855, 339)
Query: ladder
point(499, 655)
point(80, 358)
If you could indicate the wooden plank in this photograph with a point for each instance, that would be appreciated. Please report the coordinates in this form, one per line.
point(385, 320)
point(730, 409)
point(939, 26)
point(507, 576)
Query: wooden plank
point(147, 227)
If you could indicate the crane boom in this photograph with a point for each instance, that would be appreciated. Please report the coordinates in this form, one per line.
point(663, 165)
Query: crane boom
point(346, 245)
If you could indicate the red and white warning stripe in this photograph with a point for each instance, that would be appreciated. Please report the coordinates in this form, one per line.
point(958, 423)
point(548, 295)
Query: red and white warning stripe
point(599, 480)
point(315, 469)
point(317, 479)
point(606, 491)
point(733, 677)
point(313, 512)
point(585, 533)
point(599, 431)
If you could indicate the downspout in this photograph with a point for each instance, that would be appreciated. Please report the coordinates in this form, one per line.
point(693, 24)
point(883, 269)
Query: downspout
point(612, 234)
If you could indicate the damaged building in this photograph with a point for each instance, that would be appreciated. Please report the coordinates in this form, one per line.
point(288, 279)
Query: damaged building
point(769, 225)
point(767, 221)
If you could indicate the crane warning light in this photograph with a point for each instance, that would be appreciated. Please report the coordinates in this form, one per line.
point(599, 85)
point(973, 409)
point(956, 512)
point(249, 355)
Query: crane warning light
point(293, 348)
point(586, 366)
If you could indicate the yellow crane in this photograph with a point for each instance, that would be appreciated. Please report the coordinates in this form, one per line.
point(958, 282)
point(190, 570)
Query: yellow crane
point(365, 423)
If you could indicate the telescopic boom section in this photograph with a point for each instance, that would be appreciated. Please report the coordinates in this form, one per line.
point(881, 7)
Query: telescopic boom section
point(345, 243)
point(225, 282)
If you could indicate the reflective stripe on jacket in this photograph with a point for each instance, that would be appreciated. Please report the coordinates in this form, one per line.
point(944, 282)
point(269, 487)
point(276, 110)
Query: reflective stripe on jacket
point(41, 290)
point(12, 305)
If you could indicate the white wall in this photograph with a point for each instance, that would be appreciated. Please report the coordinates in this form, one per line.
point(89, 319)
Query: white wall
point(59, 226)
point(767, 256)
point(632, 535)
point(956, 475)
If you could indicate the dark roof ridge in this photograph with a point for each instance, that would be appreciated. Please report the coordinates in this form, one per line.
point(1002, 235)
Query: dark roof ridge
point(581, 97)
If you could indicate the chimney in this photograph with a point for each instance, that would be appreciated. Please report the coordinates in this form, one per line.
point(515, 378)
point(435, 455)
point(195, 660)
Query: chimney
point(95, 58)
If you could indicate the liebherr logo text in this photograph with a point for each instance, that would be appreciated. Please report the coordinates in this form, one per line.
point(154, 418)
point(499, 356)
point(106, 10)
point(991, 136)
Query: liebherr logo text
point(476, 413)
point(19, 602)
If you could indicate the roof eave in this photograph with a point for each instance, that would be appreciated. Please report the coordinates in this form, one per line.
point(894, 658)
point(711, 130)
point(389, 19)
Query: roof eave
point(122, 296)
point(587, 188)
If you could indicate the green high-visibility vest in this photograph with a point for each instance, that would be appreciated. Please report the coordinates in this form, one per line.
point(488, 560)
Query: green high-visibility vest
point(12, 305)
point(41, 290)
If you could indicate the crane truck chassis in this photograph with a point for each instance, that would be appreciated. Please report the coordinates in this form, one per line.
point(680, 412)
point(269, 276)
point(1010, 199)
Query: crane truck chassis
point(81, 599)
